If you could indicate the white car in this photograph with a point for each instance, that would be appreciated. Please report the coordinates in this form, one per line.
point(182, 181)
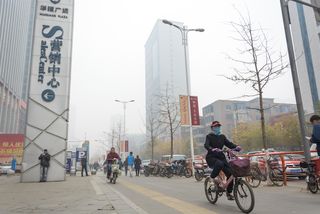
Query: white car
point(4, 169)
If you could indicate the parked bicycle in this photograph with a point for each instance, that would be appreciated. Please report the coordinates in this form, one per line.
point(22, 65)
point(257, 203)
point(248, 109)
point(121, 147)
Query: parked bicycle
point(180, 168)
point(255, 177)
point(242, 191)
point(152, 169)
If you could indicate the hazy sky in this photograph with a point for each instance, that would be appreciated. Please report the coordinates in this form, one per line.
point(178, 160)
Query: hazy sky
point(108, 56)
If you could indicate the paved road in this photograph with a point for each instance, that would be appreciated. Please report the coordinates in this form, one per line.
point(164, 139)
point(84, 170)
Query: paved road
point(180, 195)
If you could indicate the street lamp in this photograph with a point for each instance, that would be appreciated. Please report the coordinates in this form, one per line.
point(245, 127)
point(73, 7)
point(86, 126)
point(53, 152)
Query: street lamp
point(297, 91)
point(124, 116)
point(184, 33)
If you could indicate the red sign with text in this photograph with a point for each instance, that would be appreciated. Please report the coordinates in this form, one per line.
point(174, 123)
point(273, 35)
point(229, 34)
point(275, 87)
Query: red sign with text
point(194, 110)
point(11, 145)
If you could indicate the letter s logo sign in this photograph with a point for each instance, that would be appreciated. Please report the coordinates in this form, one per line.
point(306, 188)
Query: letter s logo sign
point(52, 32)
point(55, 1)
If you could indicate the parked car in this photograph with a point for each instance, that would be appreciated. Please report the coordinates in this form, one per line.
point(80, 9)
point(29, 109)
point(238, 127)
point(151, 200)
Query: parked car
point(292, 163)
point(168, 159)
point(4, 168)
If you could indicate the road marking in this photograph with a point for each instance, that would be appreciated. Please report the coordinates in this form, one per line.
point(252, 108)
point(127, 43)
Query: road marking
point(96, 187)
point(179, 205)
point(121, 197)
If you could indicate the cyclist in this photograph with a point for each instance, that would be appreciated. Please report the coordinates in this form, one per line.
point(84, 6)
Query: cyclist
point(215, 158)
point(110, 157)
point(315, 120)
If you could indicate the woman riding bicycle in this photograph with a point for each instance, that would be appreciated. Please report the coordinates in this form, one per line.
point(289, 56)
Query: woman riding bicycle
point(215, 158)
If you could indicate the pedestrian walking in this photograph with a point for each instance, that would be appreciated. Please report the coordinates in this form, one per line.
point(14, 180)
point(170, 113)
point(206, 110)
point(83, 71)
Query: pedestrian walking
point(44, 165)
point(130, 163)
point(137, 165)
point(125, 163)
point(14, 164)
point(84, 165)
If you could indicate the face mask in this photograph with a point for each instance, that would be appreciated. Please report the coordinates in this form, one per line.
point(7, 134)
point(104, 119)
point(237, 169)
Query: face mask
point(216, 130)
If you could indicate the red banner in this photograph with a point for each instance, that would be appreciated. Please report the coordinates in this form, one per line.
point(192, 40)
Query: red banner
point(11, 145)
point(194, 110)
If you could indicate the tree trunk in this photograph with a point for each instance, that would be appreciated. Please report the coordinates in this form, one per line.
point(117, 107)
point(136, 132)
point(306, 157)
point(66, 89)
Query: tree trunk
point(263, 125)
point(152, 146)
point(171, 139)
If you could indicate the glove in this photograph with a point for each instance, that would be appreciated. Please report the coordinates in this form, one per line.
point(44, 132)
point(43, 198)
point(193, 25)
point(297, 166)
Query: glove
point(216, 150)
point(238, 149)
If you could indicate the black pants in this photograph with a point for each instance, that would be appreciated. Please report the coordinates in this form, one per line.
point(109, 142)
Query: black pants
point(84, 168)
point(217, 165)
point(137, 171)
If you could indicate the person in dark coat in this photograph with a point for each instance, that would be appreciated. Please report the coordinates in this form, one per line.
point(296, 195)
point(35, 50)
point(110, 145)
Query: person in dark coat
point(137, 165)
point(84, 165)
point(125, 164)
point(215, 141)
point(44, 165)
point(315, 120)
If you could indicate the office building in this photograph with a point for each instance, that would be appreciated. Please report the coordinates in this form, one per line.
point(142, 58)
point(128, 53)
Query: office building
point(164, 65)
point(305, 26)
point(16, 29)
point(232, 112)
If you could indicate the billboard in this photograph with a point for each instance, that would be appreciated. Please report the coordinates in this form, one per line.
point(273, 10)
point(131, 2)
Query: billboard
point(48, 100)
point(184, 110)
point(11, 145)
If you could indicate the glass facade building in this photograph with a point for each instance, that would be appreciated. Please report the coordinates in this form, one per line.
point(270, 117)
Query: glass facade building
point(16, 31)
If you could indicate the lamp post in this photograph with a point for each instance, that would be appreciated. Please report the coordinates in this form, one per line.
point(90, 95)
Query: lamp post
point(296, 85)
point(124, 103)
point(184, 33)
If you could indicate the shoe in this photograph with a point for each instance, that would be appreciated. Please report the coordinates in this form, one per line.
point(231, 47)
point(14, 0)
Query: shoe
point(230, 197)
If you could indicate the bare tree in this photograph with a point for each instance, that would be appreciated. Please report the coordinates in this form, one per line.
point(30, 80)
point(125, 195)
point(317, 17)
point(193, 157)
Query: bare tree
point(169, 115)
point(153, 127)
point(259, 64)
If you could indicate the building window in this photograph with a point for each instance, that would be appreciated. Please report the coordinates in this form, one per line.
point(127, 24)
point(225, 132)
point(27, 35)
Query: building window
point(228, 107)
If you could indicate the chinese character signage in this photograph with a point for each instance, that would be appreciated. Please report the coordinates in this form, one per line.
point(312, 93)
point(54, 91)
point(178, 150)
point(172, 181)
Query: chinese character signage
point(184, 111)
point(194, 111)
point(48, 103)
point(124, 146)
point(11, 145)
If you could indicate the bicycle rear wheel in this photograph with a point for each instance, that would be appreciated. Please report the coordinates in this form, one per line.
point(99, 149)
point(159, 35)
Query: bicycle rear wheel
point(276, 176)
point(187, 172)
point(210, 190)
point(244, 196)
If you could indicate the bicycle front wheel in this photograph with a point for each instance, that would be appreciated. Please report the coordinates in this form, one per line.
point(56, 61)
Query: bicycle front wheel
point(244, 196)
point(276, 177)
point(211, 191)
point(312, 184)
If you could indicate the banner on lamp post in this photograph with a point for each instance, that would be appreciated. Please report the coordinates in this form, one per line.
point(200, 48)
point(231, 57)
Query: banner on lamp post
point(184, 110)
point(48, 99)
point(194, 106)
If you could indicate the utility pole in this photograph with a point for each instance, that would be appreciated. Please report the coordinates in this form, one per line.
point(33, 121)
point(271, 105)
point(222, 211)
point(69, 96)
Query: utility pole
point(296, 85)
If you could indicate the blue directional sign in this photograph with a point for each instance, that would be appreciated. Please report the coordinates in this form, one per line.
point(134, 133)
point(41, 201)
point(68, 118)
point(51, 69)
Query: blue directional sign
point(48, 95)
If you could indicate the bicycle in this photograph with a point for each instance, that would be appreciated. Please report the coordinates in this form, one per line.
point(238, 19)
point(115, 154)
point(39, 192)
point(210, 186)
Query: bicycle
point(275, 173)
point(312, 179)
point(242, 190)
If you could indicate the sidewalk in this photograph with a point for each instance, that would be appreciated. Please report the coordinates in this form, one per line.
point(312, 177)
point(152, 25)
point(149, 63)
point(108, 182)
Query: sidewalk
point(78, 195)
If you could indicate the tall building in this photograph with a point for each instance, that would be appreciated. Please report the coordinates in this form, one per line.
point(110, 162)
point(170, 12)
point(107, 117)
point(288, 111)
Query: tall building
point(305, 26)
point(232, 112)
point(16, 29)
point(164, 65)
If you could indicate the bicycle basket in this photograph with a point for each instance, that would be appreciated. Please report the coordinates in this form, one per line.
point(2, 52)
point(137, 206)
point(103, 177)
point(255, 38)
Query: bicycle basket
point(240, 167)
